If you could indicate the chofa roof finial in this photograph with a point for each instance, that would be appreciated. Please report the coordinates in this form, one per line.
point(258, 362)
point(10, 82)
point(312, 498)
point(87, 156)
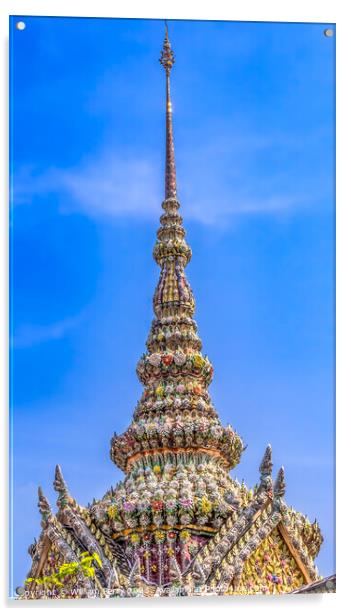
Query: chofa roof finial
point(279, 485)
point(60, 487)
point(266, 465)
point(44, 506)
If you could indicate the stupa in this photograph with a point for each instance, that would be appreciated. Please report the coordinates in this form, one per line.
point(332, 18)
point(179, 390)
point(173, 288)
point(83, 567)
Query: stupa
point(178, 523)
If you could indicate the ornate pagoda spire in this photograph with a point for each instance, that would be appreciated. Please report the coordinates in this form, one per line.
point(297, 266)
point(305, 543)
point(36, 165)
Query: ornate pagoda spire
point(175, 412)
point(176, 453)
point(167, 60)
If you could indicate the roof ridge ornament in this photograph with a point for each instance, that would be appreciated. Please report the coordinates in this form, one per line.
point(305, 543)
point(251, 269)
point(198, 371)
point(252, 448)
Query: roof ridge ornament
point(280, 485)
point(44, 507)
point(60, 486)
point(266, 465)
point(265, 468)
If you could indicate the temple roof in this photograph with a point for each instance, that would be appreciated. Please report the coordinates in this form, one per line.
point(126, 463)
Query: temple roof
point(251, 516)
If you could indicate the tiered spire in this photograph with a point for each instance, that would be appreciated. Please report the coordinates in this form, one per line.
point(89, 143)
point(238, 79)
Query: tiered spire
point(173, 296)
point(175, 412)
point(176, 453)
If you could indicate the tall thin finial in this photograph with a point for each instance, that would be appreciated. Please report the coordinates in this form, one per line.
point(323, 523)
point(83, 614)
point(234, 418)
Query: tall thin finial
point(167, 60)
point(167, 56)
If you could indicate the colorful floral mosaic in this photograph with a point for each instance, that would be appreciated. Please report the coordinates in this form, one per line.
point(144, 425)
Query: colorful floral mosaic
point(271, 569)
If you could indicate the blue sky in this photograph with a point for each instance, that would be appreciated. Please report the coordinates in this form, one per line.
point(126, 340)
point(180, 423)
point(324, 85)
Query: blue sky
point(254, 135)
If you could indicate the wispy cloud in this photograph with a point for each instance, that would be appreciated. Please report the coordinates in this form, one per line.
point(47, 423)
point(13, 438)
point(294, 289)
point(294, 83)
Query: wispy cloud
point(30, 335)
point(228, 177)
point(218, 179)
point(107, 185)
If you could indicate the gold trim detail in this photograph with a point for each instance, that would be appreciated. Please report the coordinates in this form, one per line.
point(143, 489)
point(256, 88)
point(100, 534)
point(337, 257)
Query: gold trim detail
point(140, 529)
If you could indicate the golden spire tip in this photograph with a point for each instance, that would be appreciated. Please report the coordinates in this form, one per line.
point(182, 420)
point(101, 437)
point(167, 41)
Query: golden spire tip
point(167, 56)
